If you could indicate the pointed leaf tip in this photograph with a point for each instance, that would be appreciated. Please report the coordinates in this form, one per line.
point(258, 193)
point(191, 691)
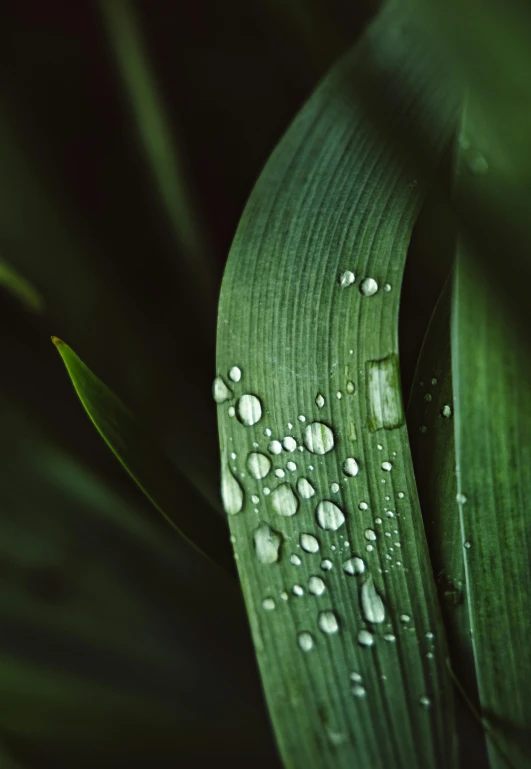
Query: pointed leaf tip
point(57, 342)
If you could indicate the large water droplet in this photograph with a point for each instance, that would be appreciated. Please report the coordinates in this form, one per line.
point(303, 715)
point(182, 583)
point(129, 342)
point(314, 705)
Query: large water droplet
point(220, 391)
point(309, 543)
point(368, 287)
point(354, 565)
point(291, 466)
point(235, 374)
point(316, 586)
point(289, 443)
point(347, 278)
point(258, 465)
point(249, 410)
point(305, 488)
point(329, 516)
point(365, 638)
point(231, 492)
point(350, 467)
point(371, 602)
point(319, 401)
point(384, 397)
point(305, 641)
point(267, 543)
point(283, 500)
point(327, 622)
point(318, 438)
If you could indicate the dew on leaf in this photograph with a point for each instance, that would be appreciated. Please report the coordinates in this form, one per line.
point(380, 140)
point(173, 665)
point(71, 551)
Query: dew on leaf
point(258, 465)
point(267, 544)
point(284, 501)
point(249, 410)
point(305, 641)
point(309, 543)
point(220, 391)
point(305, 488)
point(327, 622)
point(329, 516)
point(350, 467)
point(231, 492)
point(316, 586)
point(235, 374)
point(318, 438)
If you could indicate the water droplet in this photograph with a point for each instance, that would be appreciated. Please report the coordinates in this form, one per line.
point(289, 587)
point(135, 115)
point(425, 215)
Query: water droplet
point(327, 622)
point(390, 637)
point(390, 514)
point(350, 387)
point(297, 590)
point(334, 488)
point(291, 466)
point(461, 499)
point(295, 560)
point(316, 586)
point(283, 500)
point(371, 602)
point(446, 411)
point(427, 397)
point(358, 691)
point(305, 641)
point(326, 564)
point(289, 443)
point(400, 495)
point(434, 381)
point(387, 466)
point(370, 535)
point(235, 374)
point(387, 287)
point(365, 638)
point(258, 465)
point(346, 278)
point(267, 543)
point(280, 473)
point(305, 488)
point(356, 677)
point(468, 544)
point(378, 521)
point(350, 467)
point(354, 565)
point(339, 395)
point(301, 418)
point(267, 432)
point(319, 401)
point(318, 438)
point(429, 635)
point(423, 429)
point(368, 287)
point(266, 491)
point(329, 516)
point(249, 410)
point(268, 604)
point(309, 543)
point(384, 397)
point(284, 595)
point(231, 411)
point(425, 701)
point(231, 492)
point(405, 618)
point(220, 391)
point(275, 447)
point(363, 506)
point(255, 500)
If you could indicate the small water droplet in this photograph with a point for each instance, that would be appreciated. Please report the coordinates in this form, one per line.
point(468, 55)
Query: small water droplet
point(249, 410)
point(291, 466)
point(267, 432)
point(339, 395)
point(297, 590)
point(446, 411)
point(434, 381)
point(319, 401)
point(305, 641)
point(461, 499)
point(390, 514)
point(363, 506)
point(318, 438)
point(346, 279)
point(309, 543)
point(268, 604)
point(334, 487)
point(254, 499)
point(258, 465)
point(329, 516)
point(327, 622)
point(283, 500)
point(350, 387)
point(429, 635)
point(387, 466)
point(289, 443)
point(405, 618)
point(231, 492)
point(220, 391)
point(280, 473)
point(326, 564)
point(267, 543)
point(316, 586)
point(428, 398)
point(400, 495)
point(425, 701)
point(235, 374)
point(266, 491)
point(365, 638)
point(358, 691)
point(371, 602)
point(305, 488)
point(378, 521)
point(231, 411)
point(370, 534)
point(390, 637)
point(295, 560)
point(354, 565)
point(368, 287)
point(387, 287)
point(350, 467)
point(423, 429)
point(356, 677)
point(275, 447)
point(468, 544)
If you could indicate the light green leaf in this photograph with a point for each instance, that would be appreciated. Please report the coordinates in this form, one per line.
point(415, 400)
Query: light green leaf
point(170, 492)
point(330, 545)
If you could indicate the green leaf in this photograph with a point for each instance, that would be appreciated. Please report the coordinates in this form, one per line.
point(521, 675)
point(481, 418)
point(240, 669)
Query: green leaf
point(178, 501)
point(318, 356)
point(20, 288)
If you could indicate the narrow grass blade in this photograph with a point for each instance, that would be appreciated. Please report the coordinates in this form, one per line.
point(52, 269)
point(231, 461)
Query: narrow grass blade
point(147, 464)
point(19, 287)
point(316, 467)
